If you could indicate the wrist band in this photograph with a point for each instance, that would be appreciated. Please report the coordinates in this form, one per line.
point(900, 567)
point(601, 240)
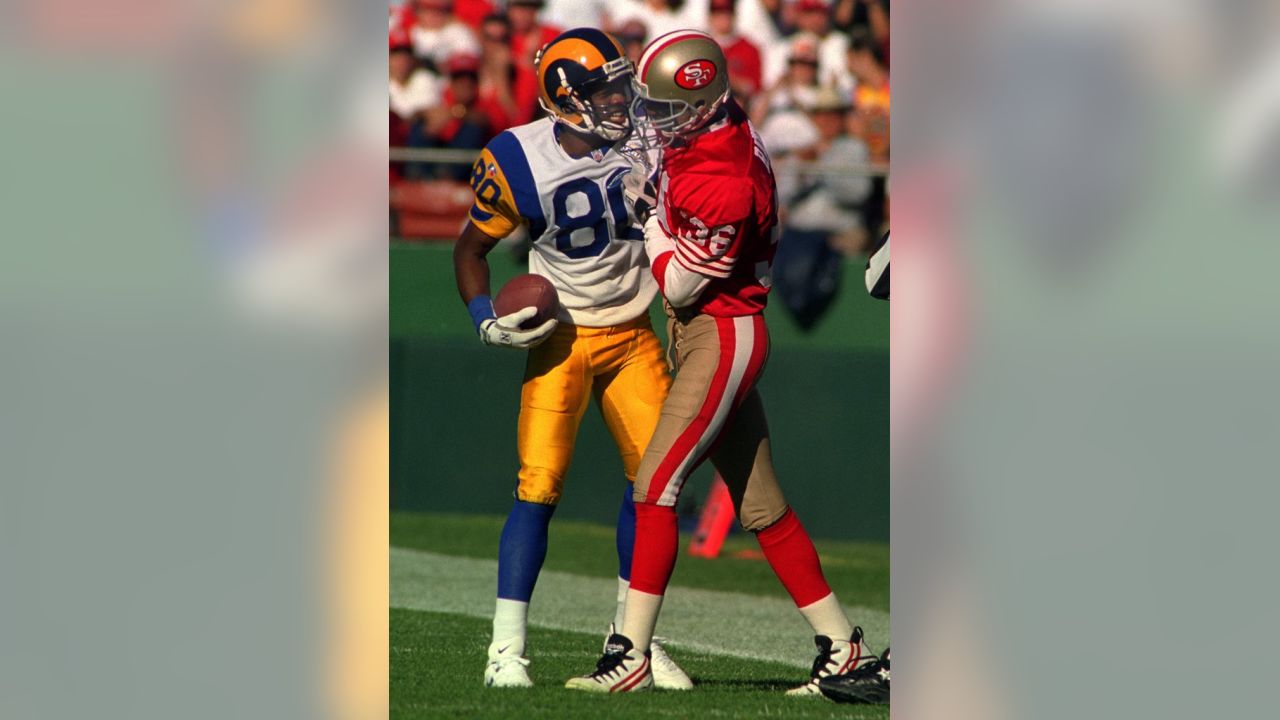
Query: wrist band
point(481, 309)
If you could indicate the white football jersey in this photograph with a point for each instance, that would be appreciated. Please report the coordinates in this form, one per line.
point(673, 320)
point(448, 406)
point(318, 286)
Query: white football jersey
point(584, 238)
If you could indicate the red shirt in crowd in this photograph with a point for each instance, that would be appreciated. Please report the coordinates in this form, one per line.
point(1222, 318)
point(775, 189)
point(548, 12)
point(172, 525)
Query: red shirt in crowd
point(472, 12)
point(487, 106)
point(524, 88)
point(744, 61)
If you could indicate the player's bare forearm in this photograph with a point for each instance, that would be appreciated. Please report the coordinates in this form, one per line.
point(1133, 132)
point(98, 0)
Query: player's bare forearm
point(470, 266)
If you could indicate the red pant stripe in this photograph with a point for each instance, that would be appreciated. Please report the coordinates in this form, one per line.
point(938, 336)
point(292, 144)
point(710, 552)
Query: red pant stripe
point(696, 434)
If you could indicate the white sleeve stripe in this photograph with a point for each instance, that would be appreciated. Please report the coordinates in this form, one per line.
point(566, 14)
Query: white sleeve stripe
point(713, 267)
point(719, 270)
point(704, 269)
point(695, 247)
point(700, 251)
point(725, 264)
point(701, 269)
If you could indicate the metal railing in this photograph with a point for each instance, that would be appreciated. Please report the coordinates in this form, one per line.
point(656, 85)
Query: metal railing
point(444, 156)
point(466, 157)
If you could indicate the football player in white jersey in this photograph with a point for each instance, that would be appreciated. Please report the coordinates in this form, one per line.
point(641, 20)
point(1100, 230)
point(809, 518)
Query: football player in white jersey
point(562, 177)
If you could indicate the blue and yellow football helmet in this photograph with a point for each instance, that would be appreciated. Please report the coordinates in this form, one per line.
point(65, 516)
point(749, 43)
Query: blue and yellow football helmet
point(576, 65)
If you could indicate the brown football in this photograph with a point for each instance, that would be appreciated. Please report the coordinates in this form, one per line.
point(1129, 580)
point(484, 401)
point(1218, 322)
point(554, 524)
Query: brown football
point(525, 290)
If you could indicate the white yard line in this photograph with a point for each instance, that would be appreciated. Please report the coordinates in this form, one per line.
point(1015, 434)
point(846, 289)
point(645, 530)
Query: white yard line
point(721, 623)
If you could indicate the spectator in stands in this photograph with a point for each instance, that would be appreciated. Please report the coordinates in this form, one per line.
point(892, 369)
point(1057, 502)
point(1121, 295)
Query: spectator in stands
point(438, 35)
point(838, 202)
point(463, 120)
point(495, 31)
point(758, 21)
point(829, 209)
point(806, 270)
point(528, 35)
point(633, 35)
point(575, 13)
point(413, 92)
point(780, 16)
point(498, 74)
point(870, 122)
point(401, 16)
point(790, 136)
point(871, 75)
point(473, 12)
point(870, 126)
point(872, 15)
point(659, 16)
point(413, 89)
point(797, 88)
point(742, 54)
point(813, 18)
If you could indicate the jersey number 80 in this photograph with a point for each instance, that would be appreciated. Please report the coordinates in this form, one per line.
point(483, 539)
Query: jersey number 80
point(594, 218)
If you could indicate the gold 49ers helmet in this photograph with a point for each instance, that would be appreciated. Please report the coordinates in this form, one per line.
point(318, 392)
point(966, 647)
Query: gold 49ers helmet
point(576, 65)
point(682, 79)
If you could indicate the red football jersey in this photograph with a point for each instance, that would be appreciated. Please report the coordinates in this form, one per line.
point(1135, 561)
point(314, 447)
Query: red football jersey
point(718, 200)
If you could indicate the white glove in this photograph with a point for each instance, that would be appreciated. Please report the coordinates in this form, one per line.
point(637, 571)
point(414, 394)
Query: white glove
point(641, 193)
point(505, 331)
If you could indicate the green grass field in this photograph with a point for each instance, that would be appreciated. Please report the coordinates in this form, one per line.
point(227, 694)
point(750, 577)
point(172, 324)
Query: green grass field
point(729, 624)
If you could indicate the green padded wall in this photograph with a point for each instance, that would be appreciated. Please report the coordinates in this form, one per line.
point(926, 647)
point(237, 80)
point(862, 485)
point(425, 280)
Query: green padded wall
point(454, 405)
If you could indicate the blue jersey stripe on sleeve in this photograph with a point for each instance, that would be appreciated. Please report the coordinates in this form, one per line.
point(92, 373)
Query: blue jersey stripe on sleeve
point(510, 156)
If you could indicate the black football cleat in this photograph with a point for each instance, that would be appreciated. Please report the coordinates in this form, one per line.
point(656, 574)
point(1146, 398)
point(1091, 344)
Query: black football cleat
point(867, 684)
point(835, 657)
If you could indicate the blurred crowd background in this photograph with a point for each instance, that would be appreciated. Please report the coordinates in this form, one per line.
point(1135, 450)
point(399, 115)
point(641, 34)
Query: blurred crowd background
point(813, 74)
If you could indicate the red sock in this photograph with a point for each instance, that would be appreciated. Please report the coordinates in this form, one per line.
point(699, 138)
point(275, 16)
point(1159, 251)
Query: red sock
point(790, 553)
point(657, 541)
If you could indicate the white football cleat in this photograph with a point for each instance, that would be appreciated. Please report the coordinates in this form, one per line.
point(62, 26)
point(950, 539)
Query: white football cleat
point(507, 665)
point(835, 657)
point(667, 675)
point(622, 669)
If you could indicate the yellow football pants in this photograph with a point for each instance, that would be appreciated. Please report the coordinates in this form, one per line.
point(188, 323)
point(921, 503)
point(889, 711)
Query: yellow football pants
point(623, 366)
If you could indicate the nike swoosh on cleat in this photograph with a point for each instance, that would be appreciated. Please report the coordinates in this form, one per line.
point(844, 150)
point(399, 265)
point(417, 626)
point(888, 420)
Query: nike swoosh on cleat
point(503, 649)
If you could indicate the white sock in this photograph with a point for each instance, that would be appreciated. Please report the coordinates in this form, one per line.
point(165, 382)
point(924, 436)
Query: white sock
point(623, 586)
point(826, 617)
point(510, 620)
point(641, 616)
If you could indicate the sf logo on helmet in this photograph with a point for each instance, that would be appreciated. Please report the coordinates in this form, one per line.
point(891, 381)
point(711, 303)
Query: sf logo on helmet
point(695, 74)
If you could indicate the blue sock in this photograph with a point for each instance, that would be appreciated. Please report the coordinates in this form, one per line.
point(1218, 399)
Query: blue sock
point(522, 549)
point(626, 533)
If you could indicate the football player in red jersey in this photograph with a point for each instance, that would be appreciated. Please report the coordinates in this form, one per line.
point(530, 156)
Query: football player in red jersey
point(710, 233)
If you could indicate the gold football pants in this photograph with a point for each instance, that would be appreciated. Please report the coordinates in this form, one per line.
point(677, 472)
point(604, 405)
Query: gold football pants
point(623, 366)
